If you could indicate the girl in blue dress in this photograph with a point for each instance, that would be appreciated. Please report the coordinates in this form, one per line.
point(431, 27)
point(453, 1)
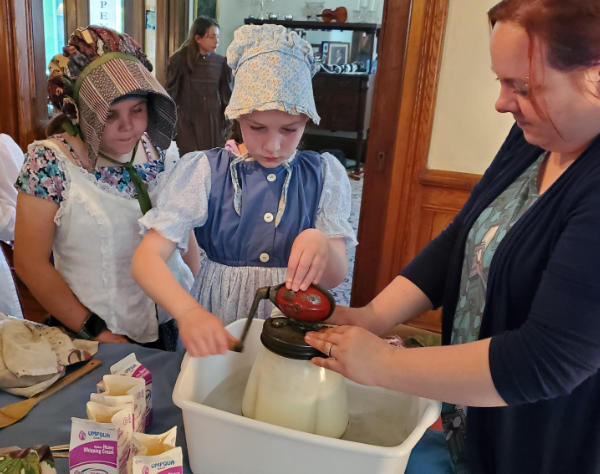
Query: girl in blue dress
point(272, 215)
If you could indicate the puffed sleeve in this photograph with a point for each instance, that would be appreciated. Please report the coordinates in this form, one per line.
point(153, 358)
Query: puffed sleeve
point(182, 200)
point(333, 213)
point(41, 175)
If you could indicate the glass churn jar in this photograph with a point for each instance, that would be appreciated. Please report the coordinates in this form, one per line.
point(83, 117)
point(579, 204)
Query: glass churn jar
point(285, 388)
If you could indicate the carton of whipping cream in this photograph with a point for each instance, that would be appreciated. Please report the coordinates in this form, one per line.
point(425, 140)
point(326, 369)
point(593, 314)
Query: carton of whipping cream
point(118, 385)
point(169, 462)
point(129, 365)
point(120, 416)
point(93, 447)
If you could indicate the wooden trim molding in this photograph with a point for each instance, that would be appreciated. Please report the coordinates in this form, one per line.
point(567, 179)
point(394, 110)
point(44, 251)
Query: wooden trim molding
point(178, 24)
point(135, 21)
point(77, 14)
point(29, 83)
point(162, 50)
point(171, 31)
point(448, 179)
point(413, 135)
point(23, 115)
point(9, 120)
point(392, 45)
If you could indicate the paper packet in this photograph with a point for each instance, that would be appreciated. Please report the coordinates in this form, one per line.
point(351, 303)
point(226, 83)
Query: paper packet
point(93, 447)
point(149, 445)
point(121, 416)
point(169, 462)
point(112, 400)
point(126, 385)
point(143, 444)
point(129, 365)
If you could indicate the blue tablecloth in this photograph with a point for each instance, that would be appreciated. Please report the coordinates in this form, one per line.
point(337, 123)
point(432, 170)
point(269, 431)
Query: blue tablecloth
point(49, 422)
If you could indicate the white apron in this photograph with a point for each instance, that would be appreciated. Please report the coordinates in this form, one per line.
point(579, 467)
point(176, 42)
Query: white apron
point(96, 235)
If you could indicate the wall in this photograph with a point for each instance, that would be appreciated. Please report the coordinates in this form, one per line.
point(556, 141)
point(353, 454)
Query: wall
point(231, 13)
point(467, 131)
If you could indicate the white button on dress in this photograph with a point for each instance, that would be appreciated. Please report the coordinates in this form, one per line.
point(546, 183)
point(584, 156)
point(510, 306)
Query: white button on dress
point(268, 217)
point(264, 257)
point(271, 177)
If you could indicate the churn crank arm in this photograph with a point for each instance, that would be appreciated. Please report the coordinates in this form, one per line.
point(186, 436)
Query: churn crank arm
point(261, 294)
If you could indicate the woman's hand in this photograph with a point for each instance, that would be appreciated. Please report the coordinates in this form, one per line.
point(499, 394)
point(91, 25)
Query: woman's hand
point(109, 337)
point(353, 352)
point(203, 334)
point(308, 259)
point(350, 316)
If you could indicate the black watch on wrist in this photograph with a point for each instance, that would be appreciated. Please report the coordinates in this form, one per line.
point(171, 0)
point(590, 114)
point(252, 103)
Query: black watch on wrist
point(93, 326)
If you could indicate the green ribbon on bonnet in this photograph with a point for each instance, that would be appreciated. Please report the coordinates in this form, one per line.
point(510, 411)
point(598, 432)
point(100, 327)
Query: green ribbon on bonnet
point(141, 190)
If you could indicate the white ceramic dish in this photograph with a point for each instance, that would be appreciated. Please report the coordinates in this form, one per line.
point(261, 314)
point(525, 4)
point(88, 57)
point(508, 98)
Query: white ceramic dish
point(221, 442)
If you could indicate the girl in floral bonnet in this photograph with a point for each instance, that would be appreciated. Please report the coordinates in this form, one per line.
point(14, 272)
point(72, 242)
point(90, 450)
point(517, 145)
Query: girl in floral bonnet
point(82, 190)
point(274, 214)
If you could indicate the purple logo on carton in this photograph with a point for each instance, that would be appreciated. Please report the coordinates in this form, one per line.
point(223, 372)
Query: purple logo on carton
point(82, 435)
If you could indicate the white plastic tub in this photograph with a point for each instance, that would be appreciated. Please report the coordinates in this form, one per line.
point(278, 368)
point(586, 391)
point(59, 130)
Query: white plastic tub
point(222, 442)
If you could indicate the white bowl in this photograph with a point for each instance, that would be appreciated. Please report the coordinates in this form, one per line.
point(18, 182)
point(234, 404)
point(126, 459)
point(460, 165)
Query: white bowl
point(221, 441)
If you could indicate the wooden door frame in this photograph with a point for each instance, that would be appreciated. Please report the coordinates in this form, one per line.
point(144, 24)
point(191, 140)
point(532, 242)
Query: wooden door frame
point(171, 31)
point(77, 14)
point(401, 122)
point(135, 21)
point(24, 113)
point(9, 113)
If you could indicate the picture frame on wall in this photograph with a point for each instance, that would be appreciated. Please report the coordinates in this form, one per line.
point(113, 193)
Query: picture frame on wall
point(316, 50)
point(205, 7)
point(337, 52)
point(150, 19)
point(324, 49)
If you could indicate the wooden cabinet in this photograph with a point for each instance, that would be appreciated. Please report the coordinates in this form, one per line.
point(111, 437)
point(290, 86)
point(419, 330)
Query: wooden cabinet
point(340, 100)
point(343, 102)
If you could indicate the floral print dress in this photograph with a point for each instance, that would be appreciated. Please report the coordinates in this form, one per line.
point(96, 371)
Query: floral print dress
point(42, 177)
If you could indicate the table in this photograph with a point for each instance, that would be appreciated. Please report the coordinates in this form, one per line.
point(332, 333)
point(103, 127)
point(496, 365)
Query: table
point(49, 422)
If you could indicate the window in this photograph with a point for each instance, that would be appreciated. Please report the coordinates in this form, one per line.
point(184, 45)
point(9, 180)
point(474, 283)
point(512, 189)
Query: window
point(109, 13)
point(54, 29)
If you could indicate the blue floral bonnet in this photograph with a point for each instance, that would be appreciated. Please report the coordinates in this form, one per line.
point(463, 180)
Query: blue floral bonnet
point(273, 70)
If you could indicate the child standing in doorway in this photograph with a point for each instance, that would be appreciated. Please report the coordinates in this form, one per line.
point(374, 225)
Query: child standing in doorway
point(199, 81)
point(271, 215)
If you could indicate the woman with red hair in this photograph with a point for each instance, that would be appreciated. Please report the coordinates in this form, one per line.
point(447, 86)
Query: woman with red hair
point(516, 272)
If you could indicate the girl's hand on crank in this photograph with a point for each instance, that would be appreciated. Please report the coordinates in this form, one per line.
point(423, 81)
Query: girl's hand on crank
point(308, 259)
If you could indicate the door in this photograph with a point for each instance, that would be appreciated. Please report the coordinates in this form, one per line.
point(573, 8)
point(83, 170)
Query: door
point(404, 204)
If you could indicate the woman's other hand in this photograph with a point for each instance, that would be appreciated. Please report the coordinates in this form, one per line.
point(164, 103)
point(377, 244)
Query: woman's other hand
point(203, 334)
point(109, 337)
point(353, 352)
point(350, 316)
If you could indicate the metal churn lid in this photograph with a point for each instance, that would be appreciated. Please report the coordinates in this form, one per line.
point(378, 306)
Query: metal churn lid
point(285, 337)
